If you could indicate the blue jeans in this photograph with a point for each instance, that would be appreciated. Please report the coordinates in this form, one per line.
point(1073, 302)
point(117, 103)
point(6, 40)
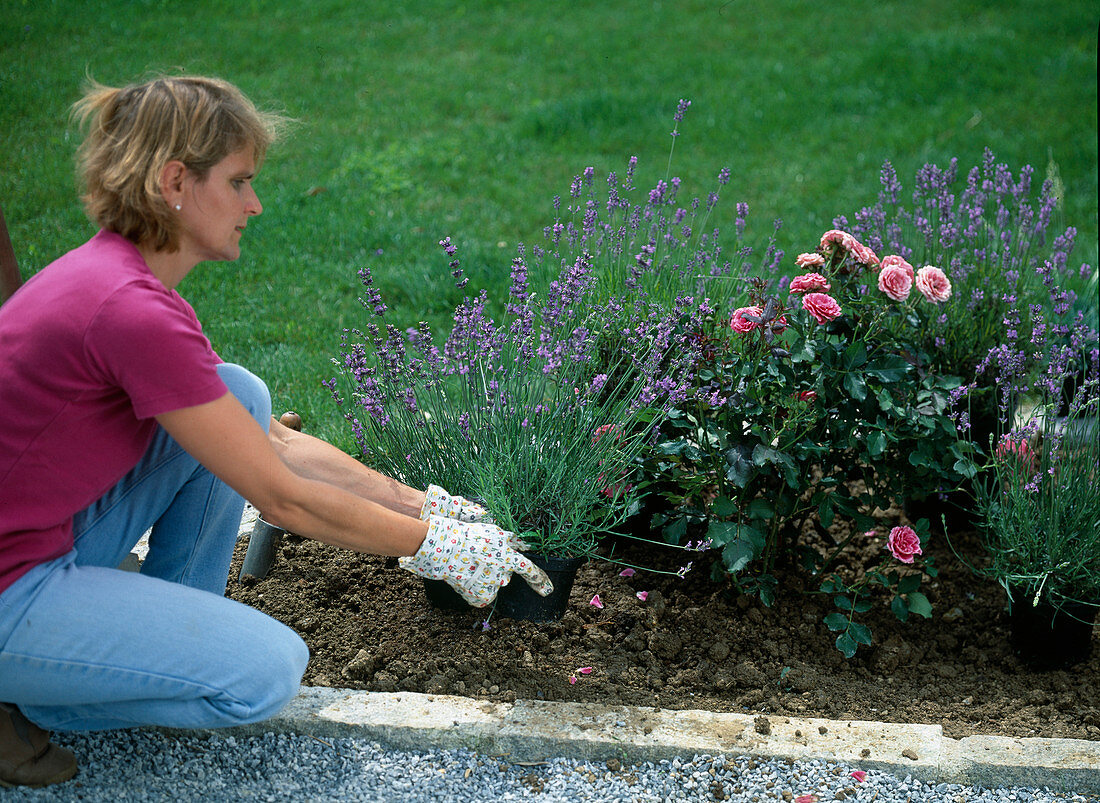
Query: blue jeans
point(86, 646)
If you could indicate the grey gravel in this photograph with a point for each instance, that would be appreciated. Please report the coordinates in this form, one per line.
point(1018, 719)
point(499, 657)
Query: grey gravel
point(148, 765)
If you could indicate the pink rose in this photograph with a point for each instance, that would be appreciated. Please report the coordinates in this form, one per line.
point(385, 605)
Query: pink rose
point(904, 544)
point(864, 255)
point(615, 489)
point(833, 238)
point(780, 324)
point(895, 261)
point(823, 307)
point(895, 281)
point(740, 324)
point(805, 261)
point(1017, 452)
point(933, 284)
point(614, 429)
point(809, 283)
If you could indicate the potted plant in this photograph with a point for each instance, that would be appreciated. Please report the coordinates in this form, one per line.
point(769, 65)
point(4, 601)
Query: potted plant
point(1038, 497)
point(516, 414)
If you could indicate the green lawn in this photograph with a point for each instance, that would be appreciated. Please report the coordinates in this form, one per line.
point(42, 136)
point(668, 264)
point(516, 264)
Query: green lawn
point(425, 119)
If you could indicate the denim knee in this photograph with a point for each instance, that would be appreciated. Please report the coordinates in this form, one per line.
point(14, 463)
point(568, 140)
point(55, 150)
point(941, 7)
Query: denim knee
point(277, 678)
point(250, 390)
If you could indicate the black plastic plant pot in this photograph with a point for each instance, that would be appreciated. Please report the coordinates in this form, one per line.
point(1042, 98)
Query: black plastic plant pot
point(441, 595)
point(1047, 637)
point(518, 600)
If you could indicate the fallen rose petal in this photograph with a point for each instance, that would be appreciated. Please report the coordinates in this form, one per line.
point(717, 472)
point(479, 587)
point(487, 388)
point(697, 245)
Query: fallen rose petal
point(626, 573)
point(596, 601)
point(870, 533)
point(585, 670)
point(642, 595)
point(859, 775)
point(572, 680)
point(806, 799)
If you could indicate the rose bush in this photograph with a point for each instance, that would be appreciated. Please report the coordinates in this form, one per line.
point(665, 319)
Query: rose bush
point(855, 597)
point(814, 412)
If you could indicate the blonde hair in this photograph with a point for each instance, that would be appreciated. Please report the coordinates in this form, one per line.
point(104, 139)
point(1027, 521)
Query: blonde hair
point(133, 132)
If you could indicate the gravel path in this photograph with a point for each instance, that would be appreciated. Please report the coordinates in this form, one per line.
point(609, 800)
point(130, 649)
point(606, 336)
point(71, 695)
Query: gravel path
point(151, 766)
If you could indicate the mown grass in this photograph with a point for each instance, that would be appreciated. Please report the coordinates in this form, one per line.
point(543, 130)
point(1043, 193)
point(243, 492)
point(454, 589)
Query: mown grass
point(431, 118)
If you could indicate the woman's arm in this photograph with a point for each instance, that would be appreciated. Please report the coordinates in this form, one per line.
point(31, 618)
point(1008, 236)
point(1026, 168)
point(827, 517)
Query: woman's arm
point(224, 437)
point(315, 459)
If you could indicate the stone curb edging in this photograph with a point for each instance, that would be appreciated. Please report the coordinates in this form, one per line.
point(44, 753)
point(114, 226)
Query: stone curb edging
point(535, 730)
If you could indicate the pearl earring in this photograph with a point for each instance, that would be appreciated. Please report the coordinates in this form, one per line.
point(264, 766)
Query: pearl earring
point(178, 207)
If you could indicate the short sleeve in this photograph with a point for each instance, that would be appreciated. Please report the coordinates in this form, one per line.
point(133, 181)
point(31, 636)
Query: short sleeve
point(147, 341)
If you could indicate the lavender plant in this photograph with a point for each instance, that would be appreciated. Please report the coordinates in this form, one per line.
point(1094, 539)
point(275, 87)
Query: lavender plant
point(1039, 500)
point(513, 413)
point(1037, 490)
point(650, 243)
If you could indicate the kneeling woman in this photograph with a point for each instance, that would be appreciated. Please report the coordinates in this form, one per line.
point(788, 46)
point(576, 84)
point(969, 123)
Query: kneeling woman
point(122, 418)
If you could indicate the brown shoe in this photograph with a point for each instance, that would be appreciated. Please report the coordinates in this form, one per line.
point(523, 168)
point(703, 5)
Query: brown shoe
point(27, 758)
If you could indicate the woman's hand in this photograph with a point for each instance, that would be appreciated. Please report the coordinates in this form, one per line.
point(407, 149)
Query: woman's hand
point(477, 560)
point(437, 502)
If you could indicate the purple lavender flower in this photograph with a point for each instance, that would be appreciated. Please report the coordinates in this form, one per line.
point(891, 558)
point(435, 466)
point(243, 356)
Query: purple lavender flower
point(373, 300)
point(891, 187)
point(742, 216)
point(681, 107)
point(657, 194)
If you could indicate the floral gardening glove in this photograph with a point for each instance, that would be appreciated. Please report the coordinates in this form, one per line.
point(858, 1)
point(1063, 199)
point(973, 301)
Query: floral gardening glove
point(438, 502)
point(477, 560)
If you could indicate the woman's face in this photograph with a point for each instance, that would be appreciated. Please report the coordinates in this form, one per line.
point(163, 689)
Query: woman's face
point(214, 210)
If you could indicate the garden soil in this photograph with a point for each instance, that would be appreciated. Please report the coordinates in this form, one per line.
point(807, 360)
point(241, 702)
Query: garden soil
point(692, 643)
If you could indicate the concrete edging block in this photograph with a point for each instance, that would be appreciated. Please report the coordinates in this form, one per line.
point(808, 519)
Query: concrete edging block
point(537, 730)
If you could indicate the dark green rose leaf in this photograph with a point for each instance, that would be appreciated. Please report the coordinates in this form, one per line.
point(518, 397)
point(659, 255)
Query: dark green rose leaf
point(836, 621)
point(919, 604)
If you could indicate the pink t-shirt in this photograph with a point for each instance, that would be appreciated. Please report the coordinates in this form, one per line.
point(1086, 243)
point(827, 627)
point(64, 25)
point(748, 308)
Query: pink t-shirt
point(91, 349)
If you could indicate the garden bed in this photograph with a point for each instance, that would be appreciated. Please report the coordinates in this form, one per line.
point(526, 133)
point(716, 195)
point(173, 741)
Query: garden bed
point(691, 644)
